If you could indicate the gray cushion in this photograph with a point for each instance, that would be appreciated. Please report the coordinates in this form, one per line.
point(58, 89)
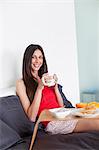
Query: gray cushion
point(8, 136)
point(12, 113)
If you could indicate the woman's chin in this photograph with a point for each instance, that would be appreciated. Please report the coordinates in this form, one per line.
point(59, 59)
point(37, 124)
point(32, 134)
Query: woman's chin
point(35, 69)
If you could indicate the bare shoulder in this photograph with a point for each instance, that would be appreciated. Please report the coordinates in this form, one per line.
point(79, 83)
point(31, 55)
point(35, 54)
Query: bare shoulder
point(19, 81)
point(20, 84)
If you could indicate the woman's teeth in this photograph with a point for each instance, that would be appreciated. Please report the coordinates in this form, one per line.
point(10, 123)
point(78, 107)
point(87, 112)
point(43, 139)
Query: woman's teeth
point(36, 66)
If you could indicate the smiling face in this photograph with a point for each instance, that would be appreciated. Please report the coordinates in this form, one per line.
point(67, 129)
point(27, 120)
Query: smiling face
point(34, 64)
point(37, 60)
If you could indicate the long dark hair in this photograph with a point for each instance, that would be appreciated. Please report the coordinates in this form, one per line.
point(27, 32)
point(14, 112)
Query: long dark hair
point(30, 83)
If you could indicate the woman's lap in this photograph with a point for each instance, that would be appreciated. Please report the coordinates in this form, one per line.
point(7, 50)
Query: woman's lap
point(61, 127)
point(74, 125)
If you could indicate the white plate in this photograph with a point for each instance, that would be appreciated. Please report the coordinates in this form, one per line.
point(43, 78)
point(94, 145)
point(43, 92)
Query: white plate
point(60, 112)
point(77, 112)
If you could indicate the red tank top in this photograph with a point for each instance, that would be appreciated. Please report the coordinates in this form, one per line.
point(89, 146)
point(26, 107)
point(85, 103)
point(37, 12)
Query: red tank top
point(48, 101)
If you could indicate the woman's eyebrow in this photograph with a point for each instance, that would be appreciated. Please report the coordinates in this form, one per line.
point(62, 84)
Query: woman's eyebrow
point(37, 56)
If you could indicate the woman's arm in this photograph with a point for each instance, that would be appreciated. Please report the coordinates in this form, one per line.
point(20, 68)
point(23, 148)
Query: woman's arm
point(30, 109)
point(57, 92)
point(58, 95)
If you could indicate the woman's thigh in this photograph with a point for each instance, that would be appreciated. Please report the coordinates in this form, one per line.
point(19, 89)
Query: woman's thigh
point(87, 124)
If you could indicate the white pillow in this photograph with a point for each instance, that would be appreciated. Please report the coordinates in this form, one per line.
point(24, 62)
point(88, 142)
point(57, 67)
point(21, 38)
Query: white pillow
point(7, 91)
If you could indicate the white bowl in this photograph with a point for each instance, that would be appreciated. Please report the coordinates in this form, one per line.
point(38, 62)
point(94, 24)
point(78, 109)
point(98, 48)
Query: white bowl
point(60, 112)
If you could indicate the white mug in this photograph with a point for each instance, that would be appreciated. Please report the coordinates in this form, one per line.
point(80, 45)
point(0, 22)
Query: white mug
point(49, 82)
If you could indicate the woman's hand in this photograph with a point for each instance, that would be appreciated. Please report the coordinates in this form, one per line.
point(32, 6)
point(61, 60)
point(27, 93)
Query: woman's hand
point(55, 78)
point(40, 82)
point(57, 92)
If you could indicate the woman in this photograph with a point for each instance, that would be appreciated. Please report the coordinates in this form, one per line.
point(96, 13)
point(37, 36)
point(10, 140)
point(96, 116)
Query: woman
point(36, 97)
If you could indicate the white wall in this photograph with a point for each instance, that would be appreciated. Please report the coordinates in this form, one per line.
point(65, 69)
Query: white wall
point(98, 47)
point(87, 26)
point(48, 23)
point(98, 39)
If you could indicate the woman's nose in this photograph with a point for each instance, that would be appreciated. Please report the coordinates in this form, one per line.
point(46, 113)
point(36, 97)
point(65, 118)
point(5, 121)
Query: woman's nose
point(37, 59)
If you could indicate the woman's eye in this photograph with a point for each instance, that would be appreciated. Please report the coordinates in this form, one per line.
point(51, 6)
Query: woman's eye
point(33, 57)
point(41, 57)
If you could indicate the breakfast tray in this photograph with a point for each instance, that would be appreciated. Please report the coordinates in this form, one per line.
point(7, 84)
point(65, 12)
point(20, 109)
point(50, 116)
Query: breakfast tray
point(47, 115)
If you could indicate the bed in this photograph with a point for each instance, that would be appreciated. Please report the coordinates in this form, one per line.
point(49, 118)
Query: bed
point(74, 141)
point(16, 131)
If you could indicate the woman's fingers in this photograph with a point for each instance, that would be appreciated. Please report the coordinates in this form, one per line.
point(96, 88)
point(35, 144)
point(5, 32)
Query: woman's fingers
point(55, 78)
